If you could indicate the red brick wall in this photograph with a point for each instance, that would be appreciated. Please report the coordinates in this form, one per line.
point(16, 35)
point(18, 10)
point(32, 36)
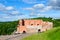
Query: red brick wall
point(33, 23)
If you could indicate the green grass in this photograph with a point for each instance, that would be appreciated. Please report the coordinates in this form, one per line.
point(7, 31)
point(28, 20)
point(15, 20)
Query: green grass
point(53, 34)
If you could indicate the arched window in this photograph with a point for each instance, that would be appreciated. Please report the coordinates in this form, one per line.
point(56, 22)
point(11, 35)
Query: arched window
point(37, 24)
point(24, 31)
point(39, 30)
point(31, 24)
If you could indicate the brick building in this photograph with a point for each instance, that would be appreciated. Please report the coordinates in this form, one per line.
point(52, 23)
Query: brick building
point(32, 26)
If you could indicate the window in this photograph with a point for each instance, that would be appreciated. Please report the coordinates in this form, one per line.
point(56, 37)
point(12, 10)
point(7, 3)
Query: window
point(31, 24)
point(37, 24)
point(24, 31)
point(39, 30)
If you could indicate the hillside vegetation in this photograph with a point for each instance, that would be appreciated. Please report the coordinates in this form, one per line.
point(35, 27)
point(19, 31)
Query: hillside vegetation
point(7, 27)
point(53, 34)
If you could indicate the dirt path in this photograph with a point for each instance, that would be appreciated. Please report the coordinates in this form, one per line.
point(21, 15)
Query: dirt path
point(14, 37)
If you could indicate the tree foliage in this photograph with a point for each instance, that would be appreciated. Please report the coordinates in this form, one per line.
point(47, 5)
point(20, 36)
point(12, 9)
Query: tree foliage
point(8, 27)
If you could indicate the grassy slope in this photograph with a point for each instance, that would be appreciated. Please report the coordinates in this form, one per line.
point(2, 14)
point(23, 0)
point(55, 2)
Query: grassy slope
point(53, 34)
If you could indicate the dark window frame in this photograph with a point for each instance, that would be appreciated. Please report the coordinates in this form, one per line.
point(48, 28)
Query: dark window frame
point(31, 24)
point(37, 24)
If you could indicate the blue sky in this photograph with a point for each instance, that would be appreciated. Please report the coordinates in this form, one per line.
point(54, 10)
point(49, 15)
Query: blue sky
point(11, 10)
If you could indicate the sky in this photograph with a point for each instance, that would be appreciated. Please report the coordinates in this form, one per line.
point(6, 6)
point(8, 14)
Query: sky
point(11, 10)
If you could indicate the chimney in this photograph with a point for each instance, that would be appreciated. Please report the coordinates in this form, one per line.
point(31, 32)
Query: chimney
point(23, 23)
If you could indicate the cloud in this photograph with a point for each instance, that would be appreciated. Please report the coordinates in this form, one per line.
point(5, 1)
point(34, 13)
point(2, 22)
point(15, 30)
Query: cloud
point(38, 6)
point(42, 8)
point(9, 8)
point(54, 0)
point(22, 17)
point(41, 15)
point(15, 12)
point(32, 14)
point(2, 7)
point(47, 8)
point(30, 1)
point(9, 13)
point(52, 4)
point(33, 1)
point(55, 4)
point(6, 17)
point(30, 8)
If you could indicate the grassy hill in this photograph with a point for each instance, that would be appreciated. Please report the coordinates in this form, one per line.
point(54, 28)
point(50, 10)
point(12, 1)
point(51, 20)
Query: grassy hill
point(53, 34)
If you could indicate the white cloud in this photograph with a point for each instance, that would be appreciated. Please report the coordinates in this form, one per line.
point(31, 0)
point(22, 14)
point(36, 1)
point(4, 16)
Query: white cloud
point(9, 8)
point(15, 12)
point(47, 8)
point(38, 6)
point(32, 13)
point(30, 1)
point(41, 15)
point(55, 4)
point(35, 7)
point(42, 8)
point(2, 7)
point(22, 17)
point(6, 17)
point(28, 8)
point(54, 1)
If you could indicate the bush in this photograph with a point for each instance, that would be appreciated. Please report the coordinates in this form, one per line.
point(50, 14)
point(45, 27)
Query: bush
point(8, 27)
